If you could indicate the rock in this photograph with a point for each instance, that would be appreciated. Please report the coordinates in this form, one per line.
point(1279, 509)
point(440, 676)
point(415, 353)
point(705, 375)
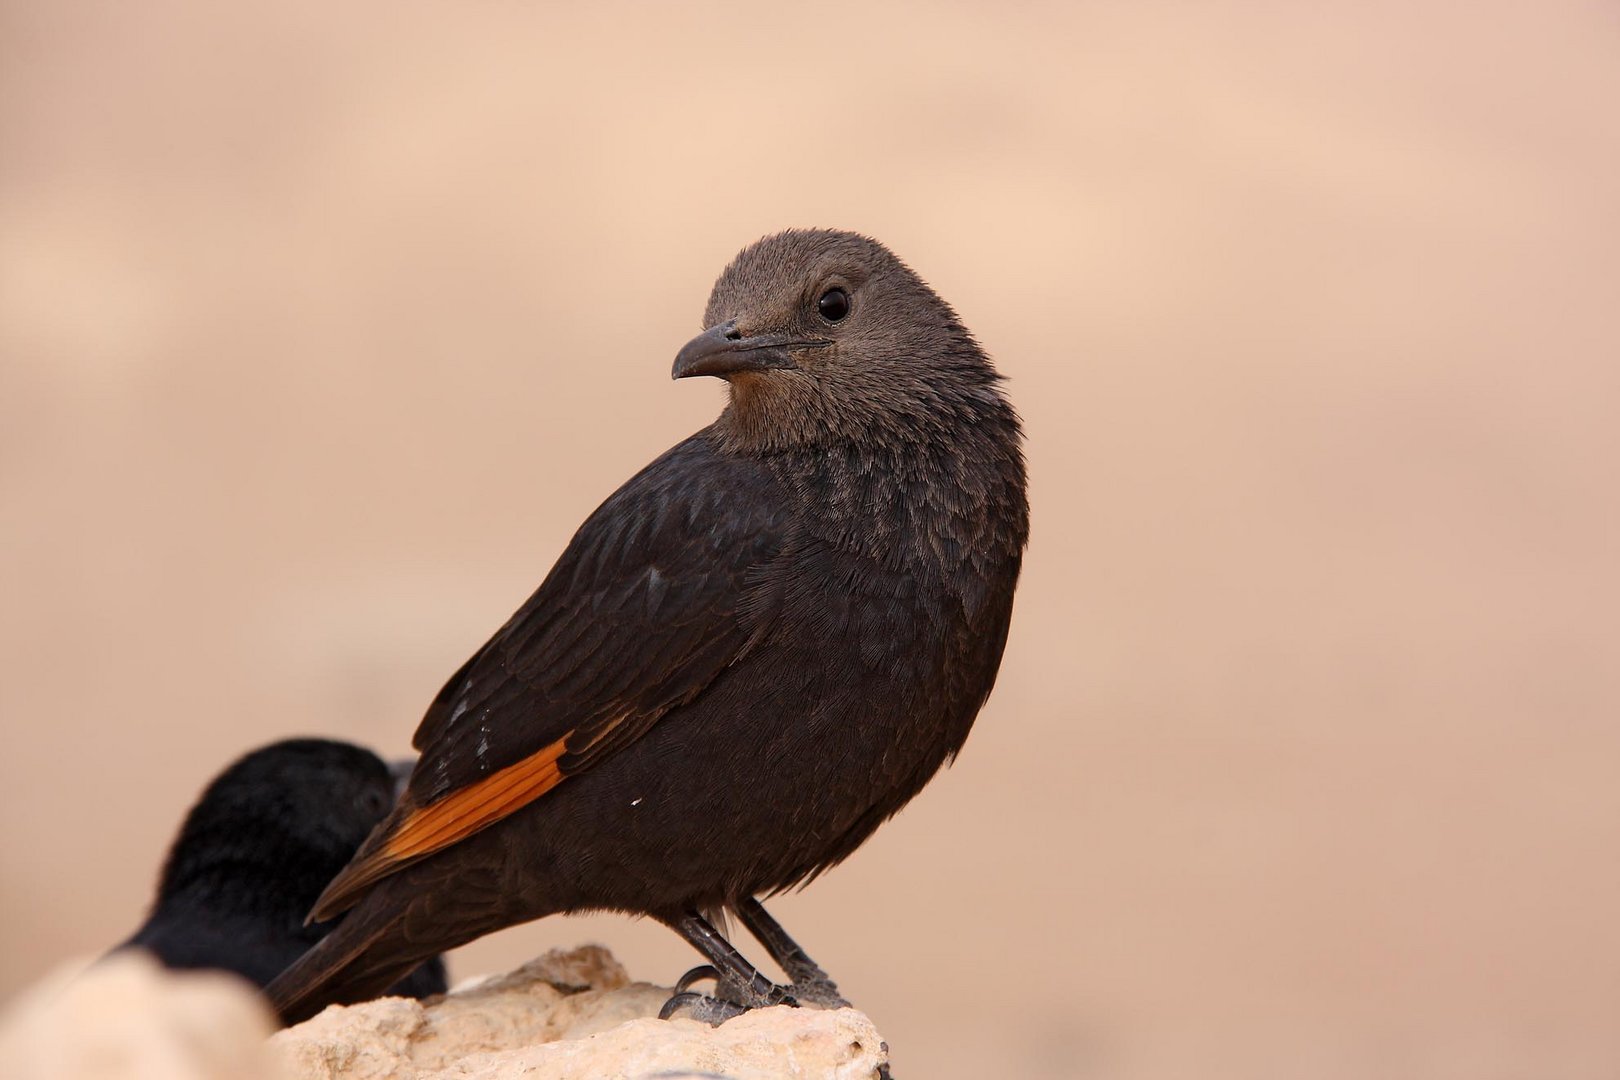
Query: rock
point(126, 1018)
point(571, 1014)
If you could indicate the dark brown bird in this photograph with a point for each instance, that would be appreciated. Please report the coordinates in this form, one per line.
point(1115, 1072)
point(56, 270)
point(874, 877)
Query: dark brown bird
point(262, 841)
point(751, 655)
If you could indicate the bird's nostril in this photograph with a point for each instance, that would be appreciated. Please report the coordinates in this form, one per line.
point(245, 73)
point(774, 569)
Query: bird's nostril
point(732, 333)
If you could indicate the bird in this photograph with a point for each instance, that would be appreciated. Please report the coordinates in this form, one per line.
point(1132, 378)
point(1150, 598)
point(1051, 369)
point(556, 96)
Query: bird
point(254, 853)
point(753, 653)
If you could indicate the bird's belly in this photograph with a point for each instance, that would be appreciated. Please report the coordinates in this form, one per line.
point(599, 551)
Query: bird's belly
point(781, 768)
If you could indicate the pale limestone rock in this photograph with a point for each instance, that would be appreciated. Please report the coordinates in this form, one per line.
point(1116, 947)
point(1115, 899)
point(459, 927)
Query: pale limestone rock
point(125, 1018)
point(571, 1016)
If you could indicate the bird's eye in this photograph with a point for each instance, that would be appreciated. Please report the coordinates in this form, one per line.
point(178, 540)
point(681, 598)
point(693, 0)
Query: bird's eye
point(833, 305)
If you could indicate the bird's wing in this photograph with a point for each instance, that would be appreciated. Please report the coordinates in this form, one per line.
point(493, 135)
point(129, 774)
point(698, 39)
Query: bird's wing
point(644, 609)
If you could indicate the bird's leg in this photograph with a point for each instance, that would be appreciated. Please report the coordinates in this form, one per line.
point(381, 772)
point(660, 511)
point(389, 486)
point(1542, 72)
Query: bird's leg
point(810, 984)
point(740, 984)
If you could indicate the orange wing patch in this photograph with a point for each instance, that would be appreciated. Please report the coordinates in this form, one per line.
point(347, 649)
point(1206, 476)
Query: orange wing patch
point(459, 815)
point(438, 825)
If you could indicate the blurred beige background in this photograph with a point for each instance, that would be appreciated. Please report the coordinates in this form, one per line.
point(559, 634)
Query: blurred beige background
point(324, 325)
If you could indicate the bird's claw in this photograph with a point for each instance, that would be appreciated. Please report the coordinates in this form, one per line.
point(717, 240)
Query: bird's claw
point(701, 1007)
point(679, 1001)
point(730, 998)
point(696, 975)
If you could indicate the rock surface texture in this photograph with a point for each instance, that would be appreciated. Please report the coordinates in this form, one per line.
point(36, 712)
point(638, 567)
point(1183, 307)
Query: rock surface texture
point(126, 1018)
point(575, 1015)
point(570, 1014)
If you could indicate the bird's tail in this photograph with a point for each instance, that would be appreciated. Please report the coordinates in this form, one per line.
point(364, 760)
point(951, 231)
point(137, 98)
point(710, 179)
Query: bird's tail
point(357, 961)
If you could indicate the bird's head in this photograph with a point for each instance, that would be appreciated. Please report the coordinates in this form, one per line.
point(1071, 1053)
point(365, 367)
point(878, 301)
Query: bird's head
point(821, 332)
point(296, 807)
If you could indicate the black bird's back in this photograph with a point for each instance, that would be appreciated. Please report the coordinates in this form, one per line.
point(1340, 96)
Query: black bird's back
point(254, 852)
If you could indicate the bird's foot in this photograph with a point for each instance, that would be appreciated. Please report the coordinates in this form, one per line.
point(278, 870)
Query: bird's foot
point(821, 993)
point(691, 1005)
point(806, 980)
point(731, 998)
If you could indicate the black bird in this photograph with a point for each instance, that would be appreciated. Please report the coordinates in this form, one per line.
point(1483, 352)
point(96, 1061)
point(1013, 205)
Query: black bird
point(752, 654)
point(264, 838)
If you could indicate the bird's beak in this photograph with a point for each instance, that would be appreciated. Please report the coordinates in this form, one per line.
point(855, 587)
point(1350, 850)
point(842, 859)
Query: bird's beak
point(722, 350)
